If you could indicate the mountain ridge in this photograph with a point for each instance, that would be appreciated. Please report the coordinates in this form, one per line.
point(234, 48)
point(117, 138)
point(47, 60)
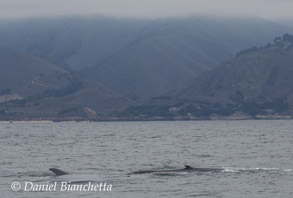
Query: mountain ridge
point(150, 60)
point(256, 83)
point(139, 59)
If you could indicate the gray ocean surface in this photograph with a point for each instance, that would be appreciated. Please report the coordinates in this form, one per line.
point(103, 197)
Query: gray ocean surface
point(257, 158)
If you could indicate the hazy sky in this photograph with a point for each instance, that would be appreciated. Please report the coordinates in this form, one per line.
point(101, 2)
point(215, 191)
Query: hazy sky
point(146, 8)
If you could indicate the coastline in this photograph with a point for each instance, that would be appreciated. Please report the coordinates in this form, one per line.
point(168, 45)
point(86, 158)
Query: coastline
point(25, 121)
point(156, 118)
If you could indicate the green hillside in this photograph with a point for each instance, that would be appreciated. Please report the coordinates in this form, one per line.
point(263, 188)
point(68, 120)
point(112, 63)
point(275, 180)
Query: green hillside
point(34, 88)
point(23, 75)
point(257, 82)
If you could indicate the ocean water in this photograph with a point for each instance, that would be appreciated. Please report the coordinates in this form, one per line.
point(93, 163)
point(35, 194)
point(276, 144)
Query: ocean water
point(256, 157)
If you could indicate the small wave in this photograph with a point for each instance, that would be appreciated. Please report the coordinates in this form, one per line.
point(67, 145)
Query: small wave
point(157, 136)
point(35, 174)
point(6, 163)
point(253, 169)
point(268, 169)
point(28, 174)
point(81, 182)
point(204, 156)
point(228, 169)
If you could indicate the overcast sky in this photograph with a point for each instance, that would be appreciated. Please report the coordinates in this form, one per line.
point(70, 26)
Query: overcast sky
point(146, 8)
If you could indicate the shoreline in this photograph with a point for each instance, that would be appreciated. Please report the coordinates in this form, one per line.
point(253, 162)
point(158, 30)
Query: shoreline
point(145, 119)
point(25, 121)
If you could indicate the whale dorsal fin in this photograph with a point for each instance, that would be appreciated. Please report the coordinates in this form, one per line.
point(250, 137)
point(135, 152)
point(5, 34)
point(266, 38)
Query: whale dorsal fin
point(58, 171)
point(188, 167)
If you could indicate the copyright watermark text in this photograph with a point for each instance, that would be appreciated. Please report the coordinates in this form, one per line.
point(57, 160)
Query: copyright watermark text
point(65, 186)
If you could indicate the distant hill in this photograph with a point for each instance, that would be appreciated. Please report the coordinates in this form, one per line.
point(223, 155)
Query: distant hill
point(75, 43)
point(257, 82)
point(88, 102)
point(33, 88)
point(177, 51)
point(137, 58)
point(23, 75)
point(96, 67)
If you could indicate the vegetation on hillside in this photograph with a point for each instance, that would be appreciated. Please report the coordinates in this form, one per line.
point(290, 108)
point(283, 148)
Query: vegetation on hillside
point(258, 81)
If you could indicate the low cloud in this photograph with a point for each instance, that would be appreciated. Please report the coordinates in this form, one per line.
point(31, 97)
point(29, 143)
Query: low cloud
point(146, 8)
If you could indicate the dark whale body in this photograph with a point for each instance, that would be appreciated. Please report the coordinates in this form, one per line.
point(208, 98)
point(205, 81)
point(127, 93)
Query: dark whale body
point(186, 169)
point(58, 172)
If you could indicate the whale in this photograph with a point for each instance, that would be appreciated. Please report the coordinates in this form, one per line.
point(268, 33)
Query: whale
point(187, 168)
point(58, 172)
